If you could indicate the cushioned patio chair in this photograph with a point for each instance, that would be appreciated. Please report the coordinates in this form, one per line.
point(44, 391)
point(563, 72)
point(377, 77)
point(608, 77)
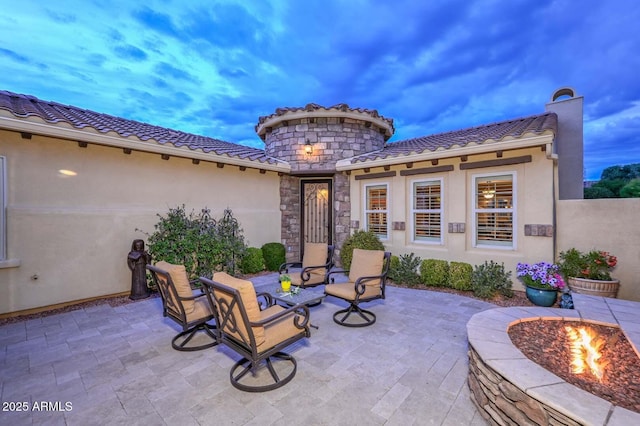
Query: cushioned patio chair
point(316, 263)
point(257, 331)
point(367, 280)
point(192, 311)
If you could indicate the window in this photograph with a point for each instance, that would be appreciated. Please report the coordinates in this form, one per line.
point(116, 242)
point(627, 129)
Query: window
point(493, 210)
point(376, 212)
point(427, 211)
point(3, 209)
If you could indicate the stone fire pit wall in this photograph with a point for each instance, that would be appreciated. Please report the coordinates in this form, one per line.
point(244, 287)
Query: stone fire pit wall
point(510, 389)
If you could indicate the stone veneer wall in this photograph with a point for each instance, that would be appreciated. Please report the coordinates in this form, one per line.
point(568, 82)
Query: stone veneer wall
point(332, 139)
point(502, 403)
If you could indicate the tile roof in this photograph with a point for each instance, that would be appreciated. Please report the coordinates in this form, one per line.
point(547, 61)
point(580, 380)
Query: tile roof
point(516, 128)
point(369, 114)
point(23, 106)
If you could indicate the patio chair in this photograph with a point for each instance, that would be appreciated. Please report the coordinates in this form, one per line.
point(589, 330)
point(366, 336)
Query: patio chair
point(316, 263)
point(179, 303)
point(367, 280)
point(257, 331)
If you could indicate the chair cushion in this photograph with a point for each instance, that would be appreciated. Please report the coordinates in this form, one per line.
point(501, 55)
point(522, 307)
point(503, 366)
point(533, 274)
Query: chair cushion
point(314, 278)
point(280, 330)
point(346, 291)
point(249, 300)
point(180, 280)
point(366, 263)
point(201, 311)
point(315, 254)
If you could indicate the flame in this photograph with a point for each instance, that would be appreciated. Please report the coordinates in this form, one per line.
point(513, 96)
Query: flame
point(585, 346)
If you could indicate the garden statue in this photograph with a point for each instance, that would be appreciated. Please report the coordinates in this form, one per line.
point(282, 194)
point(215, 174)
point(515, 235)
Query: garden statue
point(137, 262)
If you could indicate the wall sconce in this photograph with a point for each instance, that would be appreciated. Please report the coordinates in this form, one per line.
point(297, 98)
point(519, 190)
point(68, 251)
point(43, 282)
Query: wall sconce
point(308, 148)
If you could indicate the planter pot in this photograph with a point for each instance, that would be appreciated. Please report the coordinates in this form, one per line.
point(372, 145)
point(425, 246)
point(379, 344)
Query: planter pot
point(594, 287)
point(541, 297)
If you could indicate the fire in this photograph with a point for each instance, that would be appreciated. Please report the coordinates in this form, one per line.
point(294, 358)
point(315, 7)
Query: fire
point(585, 346)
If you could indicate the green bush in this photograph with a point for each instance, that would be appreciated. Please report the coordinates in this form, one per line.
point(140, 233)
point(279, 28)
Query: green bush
point(460, 275)
point(394, 264)
point(274, 255)
point(196, 241)
point(490, 278)
point(252, 262)
point(366, 240)
point(407, 270)
point(434, 272)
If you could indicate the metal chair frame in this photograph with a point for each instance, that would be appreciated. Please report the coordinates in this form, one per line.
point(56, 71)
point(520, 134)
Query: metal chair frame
point(305, 273)
point(176, 312)
point(246, 346)
point(367, 317)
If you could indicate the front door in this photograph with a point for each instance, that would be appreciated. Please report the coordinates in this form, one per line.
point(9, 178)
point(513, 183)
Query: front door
point(316, 212)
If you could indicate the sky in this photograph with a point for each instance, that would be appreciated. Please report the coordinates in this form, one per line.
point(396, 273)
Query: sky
point(213, 67)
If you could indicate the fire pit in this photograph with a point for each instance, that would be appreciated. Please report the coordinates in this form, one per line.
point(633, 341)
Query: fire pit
point(507, 387)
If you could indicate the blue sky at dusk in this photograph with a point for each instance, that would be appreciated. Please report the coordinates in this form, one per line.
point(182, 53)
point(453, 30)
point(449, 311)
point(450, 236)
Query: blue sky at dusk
point(213, 67)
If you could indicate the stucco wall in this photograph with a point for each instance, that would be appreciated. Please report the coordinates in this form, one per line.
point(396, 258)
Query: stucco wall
point(74, 233)
point(534, 186)
point(605, 224)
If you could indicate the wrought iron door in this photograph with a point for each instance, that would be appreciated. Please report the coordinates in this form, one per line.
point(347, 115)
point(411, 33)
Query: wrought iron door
point(316, 211)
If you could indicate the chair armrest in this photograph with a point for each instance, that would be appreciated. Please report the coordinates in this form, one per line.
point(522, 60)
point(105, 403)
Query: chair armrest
point(336, 271)
point(194, 297)
point(360, 282)
point(285, 266)
point(268, 300)
point(300, 310)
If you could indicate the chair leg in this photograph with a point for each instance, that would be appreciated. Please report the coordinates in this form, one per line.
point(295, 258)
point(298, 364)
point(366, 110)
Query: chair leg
point(245, 366)
point(368, 317)
point(181, 340)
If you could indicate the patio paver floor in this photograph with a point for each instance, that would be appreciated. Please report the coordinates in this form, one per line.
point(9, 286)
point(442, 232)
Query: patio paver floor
point(115, 365)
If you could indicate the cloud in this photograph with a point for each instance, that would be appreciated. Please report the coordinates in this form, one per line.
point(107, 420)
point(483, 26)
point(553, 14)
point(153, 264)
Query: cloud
point(128, 51)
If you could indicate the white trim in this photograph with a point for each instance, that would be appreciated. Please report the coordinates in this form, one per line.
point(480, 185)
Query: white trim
point(412, 210)
point(366, 211)
point(513, 210)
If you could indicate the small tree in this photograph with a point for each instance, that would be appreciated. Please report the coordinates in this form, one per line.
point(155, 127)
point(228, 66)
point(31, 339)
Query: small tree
point(198, 242)
point(631, 189)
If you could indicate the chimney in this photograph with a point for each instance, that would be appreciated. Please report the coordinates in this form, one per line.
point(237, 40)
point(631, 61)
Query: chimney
point(569, 142)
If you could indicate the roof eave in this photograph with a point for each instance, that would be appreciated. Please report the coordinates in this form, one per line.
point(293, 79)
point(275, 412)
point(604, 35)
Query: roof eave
point(150, 146)
point(470, 149)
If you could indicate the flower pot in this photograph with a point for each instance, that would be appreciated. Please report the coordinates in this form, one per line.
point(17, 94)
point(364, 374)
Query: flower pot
point(594, 287)
point(541, 297)
point(286, 286)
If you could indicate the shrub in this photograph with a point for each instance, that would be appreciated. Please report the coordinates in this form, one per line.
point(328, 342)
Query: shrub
point(252, 262)
point(407, 270)
point(460, 275)
point(434, 272)
point(274, 255)
point(394, 264)
point(366, 240)
point(196, 241)
point(490, 278)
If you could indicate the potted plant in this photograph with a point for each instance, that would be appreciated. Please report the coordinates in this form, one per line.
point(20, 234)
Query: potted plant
point(590, 272)
point(285, 282)
point(542, 281)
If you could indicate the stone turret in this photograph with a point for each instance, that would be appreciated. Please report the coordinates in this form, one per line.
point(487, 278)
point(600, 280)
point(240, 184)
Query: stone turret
point(332, 134)
point(312, 139)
